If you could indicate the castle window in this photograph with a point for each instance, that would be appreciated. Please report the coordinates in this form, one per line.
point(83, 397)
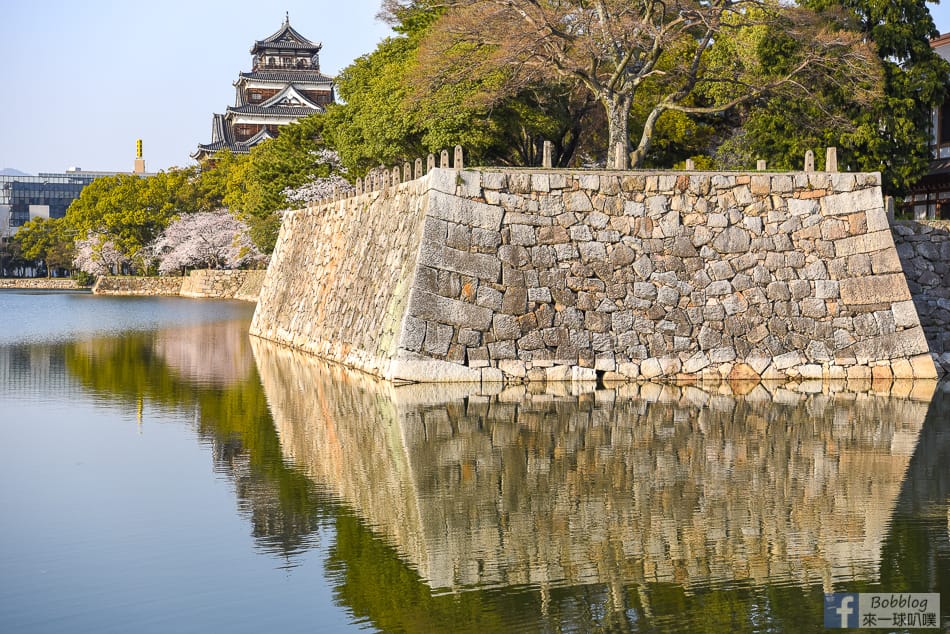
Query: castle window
point(255, 96)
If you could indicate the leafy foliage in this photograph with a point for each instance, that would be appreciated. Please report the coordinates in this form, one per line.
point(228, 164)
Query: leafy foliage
point(696, 58)
point(255, 186)
point(388, 117)
point(128, 212)
point(46, 240)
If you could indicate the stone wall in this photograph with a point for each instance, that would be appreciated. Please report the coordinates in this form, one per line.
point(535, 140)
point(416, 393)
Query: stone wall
point(41, 283)
point(242, 285)
point(133, 285)
point(219, 284)
point(924, 250)
point(250, 289)
point(556, 275)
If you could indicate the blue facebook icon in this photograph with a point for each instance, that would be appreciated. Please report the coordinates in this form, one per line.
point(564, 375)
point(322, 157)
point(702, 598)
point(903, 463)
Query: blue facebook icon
point(841, 610)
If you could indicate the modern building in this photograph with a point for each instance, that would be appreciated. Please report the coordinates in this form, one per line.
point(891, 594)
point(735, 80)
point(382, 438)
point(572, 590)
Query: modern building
point(284, 85)
point(930, 198)
point(48, 195)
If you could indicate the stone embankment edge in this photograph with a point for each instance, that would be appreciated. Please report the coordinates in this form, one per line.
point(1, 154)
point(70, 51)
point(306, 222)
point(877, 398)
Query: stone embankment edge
point(41, 283)
point(521, 276)
point(201, 284)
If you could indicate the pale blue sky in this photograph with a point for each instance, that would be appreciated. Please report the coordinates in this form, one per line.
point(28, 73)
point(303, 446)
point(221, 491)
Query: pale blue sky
point(81, 81)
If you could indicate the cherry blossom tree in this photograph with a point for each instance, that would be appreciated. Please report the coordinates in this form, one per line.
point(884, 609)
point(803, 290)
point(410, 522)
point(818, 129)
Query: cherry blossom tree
point(318, 187)
point(212, 239)
point(97, 255)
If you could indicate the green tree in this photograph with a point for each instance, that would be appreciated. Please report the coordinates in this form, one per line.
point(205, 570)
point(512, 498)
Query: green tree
point(131, 211)
point(387, 117)
point(255, 186)
point(658, 54)
point(46, 240)
point(893, 135)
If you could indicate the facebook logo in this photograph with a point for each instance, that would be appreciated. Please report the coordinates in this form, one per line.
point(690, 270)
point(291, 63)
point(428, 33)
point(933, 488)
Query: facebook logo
point(841, 610)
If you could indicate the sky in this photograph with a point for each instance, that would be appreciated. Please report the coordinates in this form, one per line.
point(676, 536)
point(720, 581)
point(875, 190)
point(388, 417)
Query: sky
point(81, 81)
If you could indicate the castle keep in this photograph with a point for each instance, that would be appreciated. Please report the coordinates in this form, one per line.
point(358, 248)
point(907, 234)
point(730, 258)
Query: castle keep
point(285, 84)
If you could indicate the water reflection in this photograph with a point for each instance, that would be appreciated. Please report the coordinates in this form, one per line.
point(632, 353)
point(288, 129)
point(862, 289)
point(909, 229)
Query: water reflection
point(457, 509)
point(201, 374)
point(674, 485)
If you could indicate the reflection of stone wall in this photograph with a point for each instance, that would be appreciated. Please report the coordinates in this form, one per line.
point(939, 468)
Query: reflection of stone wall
point(559, 275)
point(217, 353)
point(640, 484)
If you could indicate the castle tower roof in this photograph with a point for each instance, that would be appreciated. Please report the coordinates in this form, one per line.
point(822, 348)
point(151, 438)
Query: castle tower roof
point(286, 38)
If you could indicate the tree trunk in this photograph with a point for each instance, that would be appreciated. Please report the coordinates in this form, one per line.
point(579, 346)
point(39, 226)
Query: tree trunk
point(649, 126)
point(618, 127)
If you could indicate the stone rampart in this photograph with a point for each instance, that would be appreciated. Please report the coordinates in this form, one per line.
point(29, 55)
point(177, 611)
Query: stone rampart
point(558, 275)
point(41, 283)
point(209, 284)
point(218, 284)
point(133, 285)
point(924, 250)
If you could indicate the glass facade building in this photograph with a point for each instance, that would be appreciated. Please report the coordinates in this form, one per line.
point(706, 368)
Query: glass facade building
point(47, 195)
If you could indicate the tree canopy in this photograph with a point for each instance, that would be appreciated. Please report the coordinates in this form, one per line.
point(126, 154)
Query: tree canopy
point(695, 58)
point(129, 211)
point(46, 240)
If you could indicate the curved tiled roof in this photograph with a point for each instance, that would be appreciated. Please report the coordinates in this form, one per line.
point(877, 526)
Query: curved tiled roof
point(287, 76)
point(286, 38)
point(278, 111)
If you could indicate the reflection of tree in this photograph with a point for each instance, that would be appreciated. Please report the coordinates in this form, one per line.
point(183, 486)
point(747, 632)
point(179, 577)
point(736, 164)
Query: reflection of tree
point(231, 415)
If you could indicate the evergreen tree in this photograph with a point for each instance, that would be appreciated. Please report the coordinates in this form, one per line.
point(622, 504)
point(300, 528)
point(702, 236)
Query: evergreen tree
point(892, 134)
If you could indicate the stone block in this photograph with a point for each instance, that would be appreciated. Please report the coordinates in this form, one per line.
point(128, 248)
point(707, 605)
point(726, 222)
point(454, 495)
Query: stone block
point(886, 261)
point(923, 367)
point(695, 363)
point(522, 234)
point(905, 343)
point(464, 211)
point(429, 307)
point(515, 301)
point(480, 265)
point(905, 314)
point(650, 368)
point(424, 370)
point(488, 297)
point(494, 180)
point(505, 327)
point(413, 334)
point(577, 201)
point(877, 289)
point(732, 240)
point(877, 220)
point(799, 207)
point(850, 202)
point(438, 338)
point(512, 367)
point(865, 243)
point(788, 360)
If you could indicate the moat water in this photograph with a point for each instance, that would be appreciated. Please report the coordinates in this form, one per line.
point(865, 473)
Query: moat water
point(160, 471)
